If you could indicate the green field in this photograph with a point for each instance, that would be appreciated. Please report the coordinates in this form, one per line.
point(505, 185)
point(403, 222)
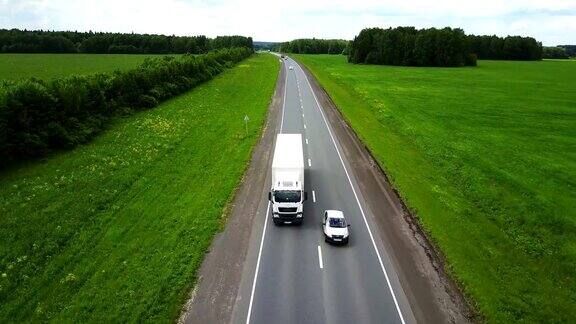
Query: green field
point(115, 230)
point(486, 157)
point(47, 66)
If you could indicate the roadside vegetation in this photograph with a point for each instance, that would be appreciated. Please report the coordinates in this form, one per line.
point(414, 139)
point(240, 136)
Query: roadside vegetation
point(485, 157)
point(54, 66)
point(114, 230)
point(39, 41)
point(39, 116)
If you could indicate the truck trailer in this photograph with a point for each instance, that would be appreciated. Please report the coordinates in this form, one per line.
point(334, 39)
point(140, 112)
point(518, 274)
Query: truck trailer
point(287, 193)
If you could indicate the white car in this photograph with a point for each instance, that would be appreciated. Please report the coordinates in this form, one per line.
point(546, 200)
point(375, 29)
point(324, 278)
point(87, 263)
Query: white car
point(335, 227)
point(291, 67)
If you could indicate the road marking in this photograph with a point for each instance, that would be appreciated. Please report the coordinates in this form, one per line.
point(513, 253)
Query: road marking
point(284, 99)
point(304, 126)
point(320, 257)
point(306, 141)
point(302, 115)
point(313, 196)
point(309, 163)
point(301, 106)
point(257, 265)
point(357, 200)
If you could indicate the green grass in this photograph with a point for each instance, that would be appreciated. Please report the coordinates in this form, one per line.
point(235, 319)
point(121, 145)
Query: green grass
point(47, 66)
point(486, 157)
point(115, 230)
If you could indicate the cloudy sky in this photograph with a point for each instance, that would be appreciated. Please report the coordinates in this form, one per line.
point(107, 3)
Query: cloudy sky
point(552, 21)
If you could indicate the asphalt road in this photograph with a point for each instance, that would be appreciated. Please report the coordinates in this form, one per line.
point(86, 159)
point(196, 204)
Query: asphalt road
point(292, 275)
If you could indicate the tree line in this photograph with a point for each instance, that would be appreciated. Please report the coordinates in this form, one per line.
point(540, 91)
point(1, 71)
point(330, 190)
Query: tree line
point(38, 116)
point(313, 46)
point(505, 48)
point(23, 41)
point(570, 49)
point(555, 52)
point(559, 52)
point(409, 46)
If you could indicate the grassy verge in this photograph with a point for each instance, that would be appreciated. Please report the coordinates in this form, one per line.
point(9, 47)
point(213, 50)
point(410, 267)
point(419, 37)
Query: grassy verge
point(486, 158)
point(49, 66)
point(116, 229)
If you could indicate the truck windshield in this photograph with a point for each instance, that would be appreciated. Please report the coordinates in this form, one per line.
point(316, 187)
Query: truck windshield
point(287, 196)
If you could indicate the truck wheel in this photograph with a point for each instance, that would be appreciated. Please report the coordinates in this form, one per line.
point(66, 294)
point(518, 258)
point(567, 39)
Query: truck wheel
point(276, 222)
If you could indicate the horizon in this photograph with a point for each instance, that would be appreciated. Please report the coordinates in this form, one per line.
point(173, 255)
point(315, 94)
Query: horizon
point(552, 23)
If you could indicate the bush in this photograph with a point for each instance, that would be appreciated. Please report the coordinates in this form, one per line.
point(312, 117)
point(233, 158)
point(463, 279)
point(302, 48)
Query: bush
point(39, 116)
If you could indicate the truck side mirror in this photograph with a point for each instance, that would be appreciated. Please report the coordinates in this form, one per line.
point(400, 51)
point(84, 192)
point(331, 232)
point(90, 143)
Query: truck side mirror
point(270, 196)
point(305, 196)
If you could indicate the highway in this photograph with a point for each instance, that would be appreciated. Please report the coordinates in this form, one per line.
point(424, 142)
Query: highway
point(292, 275)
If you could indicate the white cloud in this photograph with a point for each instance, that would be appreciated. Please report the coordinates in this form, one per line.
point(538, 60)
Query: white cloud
point(552, 21)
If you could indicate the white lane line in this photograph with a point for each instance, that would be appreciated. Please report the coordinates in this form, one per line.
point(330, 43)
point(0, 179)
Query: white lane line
point(284, 99)
point(309, 163)
point(313, 196)
point(320, 257)
point(257, 265)
point(306, 141)
point(357, 199)
point(304, 126)
point(301, 106)
point(302, 115)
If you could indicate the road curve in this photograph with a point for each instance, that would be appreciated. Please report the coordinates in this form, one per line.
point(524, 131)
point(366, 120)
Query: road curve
point(291, 275)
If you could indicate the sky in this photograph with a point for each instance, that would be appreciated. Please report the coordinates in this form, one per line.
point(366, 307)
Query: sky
point(553, 22)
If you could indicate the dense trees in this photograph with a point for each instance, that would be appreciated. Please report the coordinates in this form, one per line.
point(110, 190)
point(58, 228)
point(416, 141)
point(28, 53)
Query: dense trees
point(555, 53)
point(507, 48)
point(411, 47)
point(570, 49)
point(314, 46)
point(18, 41)
point(38, 116)
point(437, 47)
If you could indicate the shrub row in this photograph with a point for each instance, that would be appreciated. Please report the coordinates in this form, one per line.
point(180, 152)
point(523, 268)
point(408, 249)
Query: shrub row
point(38, 41)
point(314, 46)
point(411, 47)
point(39, 116)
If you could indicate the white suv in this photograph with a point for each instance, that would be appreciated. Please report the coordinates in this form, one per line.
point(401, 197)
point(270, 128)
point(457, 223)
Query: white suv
point(335, 227)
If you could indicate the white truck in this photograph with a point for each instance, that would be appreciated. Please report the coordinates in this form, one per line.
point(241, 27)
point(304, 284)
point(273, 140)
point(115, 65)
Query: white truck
point(287, 193)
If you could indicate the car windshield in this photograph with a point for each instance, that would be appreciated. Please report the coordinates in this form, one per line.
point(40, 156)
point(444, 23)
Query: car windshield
point(337, 222)
point(287, 196)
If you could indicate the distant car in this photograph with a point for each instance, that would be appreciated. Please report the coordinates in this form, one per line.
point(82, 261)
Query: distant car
point(335, 227)
point(291, 67)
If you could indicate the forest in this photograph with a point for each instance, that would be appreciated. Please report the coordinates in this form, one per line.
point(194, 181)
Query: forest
point(314, 46)
point(23, 41)
point(409, 46)
point(505, 48)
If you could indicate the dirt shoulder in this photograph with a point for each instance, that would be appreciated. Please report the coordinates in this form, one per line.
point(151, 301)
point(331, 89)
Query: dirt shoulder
point(212, 299)
point(433, 296)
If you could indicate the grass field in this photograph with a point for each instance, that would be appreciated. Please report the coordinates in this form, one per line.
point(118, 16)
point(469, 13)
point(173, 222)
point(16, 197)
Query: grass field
point(486, 157)
point(115, 230)
point(47, 66)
